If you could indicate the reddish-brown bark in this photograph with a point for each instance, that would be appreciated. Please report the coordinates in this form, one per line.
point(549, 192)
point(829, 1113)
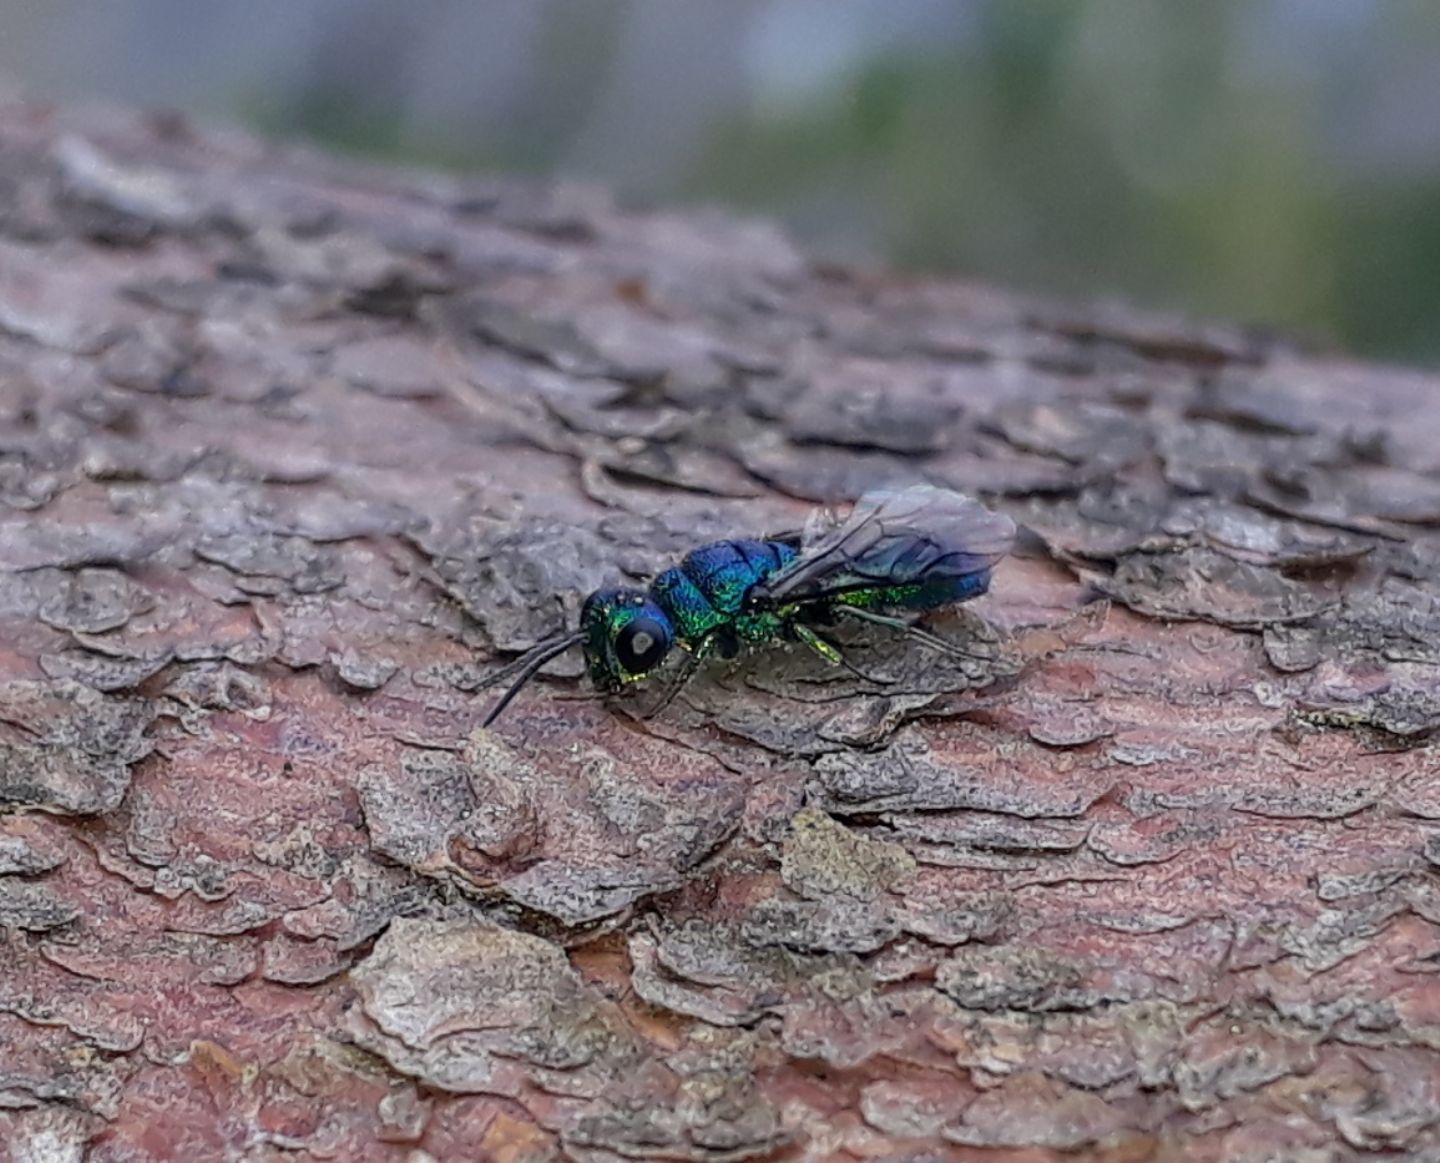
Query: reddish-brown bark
point(292, 452)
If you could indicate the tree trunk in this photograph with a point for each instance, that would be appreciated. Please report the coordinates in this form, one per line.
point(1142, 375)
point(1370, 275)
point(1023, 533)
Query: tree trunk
point(295, 453)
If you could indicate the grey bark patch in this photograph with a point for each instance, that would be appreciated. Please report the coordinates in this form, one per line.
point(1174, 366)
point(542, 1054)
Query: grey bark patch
point(1065, 723)
point(913, 419)
point(1202, 584)
point(1335, 935)
point(821, 473)
point(363, 672)
point(721, 1116)
point(1261, 539)
point(34, 908)
point(1033, 979)
point(710, 970)
point(822, 858)
point(1031, 1110)
point(474, 978)
point(398, 367)
point(1080, 432)
point(134, 200)
point(845, 1022)
point(1318, 803)
point(556, 343)
point(1151, 841)
point(913, 1108)
point(834, 925)
point(522, 582)
point(1409, 712)
point(706, 972)
point(412, 813)
point(100, 671)
point(1211, 459)
point(1338, 886)
point(949, 916)
point(49, 1134)
point(1254, 403)
point(1105, 522)
point(1009, 978)
point(472, 1009)
point(207, 686)
point(323, 260)
point(1233, 1054)
point(627, 841)
point(24, 485)
point(34, 544)
point(1396, 624)
point(92, 601)
point(158, 358)
point(578, 894)
point(176, 957)
point(304, 566)
point(900, 779)
point(367, 897)
point(987, 831)
point(602, 841)
point(27, 847)
point(66, 748)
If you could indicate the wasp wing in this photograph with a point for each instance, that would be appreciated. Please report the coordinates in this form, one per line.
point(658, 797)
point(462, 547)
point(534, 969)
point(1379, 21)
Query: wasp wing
point(891, 538)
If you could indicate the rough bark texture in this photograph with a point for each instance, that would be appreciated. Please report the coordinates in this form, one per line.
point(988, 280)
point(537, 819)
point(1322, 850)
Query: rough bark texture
point(292, 453)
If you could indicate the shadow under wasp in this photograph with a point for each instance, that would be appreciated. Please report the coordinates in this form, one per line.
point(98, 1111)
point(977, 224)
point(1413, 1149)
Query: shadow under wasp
point(898, 552)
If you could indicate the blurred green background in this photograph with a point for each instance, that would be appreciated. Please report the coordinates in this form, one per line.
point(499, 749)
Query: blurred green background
point(1275, 161)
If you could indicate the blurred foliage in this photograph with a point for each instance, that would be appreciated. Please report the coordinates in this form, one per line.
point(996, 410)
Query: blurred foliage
point(1085, 149)
point(1215, 158)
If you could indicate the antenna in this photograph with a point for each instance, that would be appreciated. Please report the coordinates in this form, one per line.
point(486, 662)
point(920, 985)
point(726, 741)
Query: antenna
point(526, 666)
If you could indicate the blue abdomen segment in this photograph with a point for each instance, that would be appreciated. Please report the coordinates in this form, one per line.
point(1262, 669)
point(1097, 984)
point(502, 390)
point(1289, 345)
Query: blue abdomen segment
point(707, 589)
point(948, 590)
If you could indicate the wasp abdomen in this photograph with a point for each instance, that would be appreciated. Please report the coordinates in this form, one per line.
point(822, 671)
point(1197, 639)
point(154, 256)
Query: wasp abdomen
point(920, 596)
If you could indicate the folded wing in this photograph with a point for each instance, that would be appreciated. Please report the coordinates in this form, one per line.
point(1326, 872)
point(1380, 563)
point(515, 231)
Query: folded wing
point(894, 537)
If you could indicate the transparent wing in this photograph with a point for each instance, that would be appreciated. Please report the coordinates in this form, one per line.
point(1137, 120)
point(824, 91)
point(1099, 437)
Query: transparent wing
point(894, 537)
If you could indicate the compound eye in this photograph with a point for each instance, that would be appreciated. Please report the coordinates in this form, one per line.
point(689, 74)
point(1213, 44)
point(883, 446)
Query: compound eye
point(641, 644)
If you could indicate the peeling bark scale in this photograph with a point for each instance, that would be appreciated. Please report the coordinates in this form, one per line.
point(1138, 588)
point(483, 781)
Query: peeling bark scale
point(293, 453)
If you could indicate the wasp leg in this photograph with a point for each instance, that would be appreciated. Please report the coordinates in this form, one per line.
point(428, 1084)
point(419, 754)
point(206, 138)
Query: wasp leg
point(692, 661)
point(934, 641)
point(831, 654)
point(726, 640)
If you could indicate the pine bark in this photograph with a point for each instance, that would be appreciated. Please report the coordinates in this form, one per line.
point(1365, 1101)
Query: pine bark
point(294, 452)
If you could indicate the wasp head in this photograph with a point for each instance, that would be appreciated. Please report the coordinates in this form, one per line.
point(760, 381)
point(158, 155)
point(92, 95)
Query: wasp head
point(625, 635)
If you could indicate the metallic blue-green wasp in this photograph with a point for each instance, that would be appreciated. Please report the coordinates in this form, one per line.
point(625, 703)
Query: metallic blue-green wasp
point(898, 552)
